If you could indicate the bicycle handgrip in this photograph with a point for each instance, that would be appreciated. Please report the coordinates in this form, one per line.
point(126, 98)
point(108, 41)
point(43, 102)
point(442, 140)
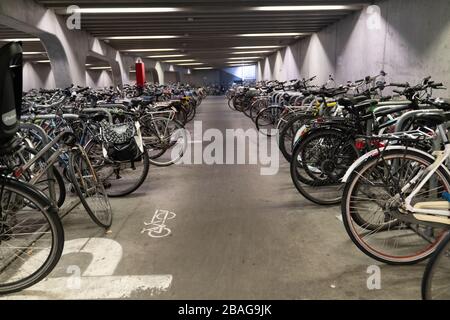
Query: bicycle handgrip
point(400, 85)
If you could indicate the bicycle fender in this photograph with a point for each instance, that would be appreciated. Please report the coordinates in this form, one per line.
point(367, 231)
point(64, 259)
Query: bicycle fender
point(375, 153)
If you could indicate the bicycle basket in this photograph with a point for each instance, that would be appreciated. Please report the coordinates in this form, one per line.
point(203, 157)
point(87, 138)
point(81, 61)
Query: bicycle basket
point(119, 141)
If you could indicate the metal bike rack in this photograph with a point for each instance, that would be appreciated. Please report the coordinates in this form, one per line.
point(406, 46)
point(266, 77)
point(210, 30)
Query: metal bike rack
point(67, 208)
point(45, 140)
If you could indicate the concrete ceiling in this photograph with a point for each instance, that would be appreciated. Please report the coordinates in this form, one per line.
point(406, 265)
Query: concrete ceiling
point(206, 30)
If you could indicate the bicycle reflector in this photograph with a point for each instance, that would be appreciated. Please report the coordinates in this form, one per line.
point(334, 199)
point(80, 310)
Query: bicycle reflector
point(360, 144)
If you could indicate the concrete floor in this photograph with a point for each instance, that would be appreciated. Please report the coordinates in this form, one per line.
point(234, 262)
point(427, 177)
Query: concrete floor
point(236, 235)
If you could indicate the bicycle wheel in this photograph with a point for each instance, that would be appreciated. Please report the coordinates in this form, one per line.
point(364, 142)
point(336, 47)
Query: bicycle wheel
point(287, 134)
point(267, 120)
point(373, 218)
point(119, 178)
point(89, 188)
point(436, 279)
point(256, 107)
point(318, 163)
point(238, 102)
point(230, 104)
point(31, 236)
point(164, 139)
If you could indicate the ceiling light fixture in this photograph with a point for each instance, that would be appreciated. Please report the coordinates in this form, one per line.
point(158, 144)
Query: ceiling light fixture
point(148, 50)
point(239, 65)
point(42, 61)
point(139, 37)
point(304, 8)
point(243, 58)
point(21, 40)
point(275, 34)
point(191, 64)
point(33, 53)
point(251, 52)
point(100, 68)
point(257, 47)
point(204, 68)
point(235, 62)
point(167, 56)
point(126, 10)
point(176, 61)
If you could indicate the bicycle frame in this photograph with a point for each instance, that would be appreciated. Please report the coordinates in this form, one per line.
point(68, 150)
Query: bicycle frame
point(441, 157)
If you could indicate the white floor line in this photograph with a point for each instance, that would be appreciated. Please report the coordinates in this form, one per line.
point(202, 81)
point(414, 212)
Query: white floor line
point(98, 287)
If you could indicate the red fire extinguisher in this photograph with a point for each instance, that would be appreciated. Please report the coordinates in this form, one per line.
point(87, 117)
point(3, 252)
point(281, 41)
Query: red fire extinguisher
point(140, 73)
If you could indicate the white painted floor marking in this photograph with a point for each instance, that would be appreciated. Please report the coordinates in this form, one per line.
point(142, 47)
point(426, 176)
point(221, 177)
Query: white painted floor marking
point(157, 227)
point(97, 281)
point(98, 287)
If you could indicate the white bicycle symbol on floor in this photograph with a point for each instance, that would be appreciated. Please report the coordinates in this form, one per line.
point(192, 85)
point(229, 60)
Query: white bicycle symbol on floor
point(157, 227)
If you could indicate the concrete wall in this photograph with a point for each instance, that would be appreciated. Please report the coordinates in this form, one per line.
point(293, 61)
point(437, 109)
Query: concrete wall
point(38, 75)
point(99, 78)
point(409, 39)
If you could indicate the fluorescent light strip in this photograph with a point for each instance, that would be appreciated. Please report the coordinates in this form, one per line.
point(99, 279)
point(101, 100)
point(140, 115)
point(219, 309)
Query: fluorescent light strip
point(176, 61)
point(191, 64)
point(100, 68)
point(303, 8)
point(257, 47)
point(139, 37)
point(21, 40)
point(243, 58)
point(234, 62)
point(251, 52)
point(42, 61)
point(240, 65)
point(275, 34)
point(33, 53)
point(126, 10)
point(167, 56)
point(148, 50)
point(204, 68)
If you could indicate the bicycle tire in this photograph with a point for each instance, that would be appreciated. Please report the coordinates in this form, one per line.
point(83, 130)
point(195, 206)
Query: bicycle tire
point(133, 187)
point(290, 128)
point(76, 158)
point(438, 256)
point(259, 118)
point(310, 182)
point(156, 159)
point(348, 216)
point(50, 212)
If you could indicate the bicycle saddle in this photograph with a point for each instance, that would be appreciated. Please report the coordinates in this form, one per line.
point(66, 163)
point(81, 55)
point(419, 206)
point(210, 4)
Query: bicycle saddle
point(351, 101)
